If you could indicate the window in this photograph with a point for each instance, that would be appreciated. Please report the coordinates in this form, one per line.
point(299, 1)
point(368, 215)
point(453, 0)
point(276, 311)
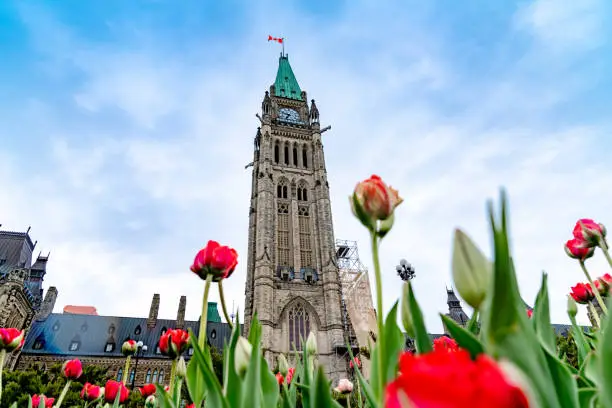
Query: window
point(74, 346)
point(299, 326)
point(304, 157)
point(109, 347)
point(120, 374)
point(213, 334)
point(154, 380)
point(282, 236)
point(286, 154)
point(302, 192)
point(276, 153)
point(2, 262)
point(295, 156)
point(190, 351)
point(137, 330)
point(157, 350)
point(38, 344)
point(281, 189)
point(132, 375)
point(148, 377)
point(56, 326)
point(305, 238)
point(161, 377)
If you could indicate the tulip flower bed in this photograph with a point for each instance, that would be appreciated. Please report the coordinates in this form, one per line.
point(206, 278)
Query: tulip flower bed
point(503, 358)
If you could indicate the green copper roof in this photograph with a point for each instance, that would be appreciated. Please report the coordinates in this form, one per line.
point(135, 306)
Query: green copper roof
point(286, 85)
point(213, 313)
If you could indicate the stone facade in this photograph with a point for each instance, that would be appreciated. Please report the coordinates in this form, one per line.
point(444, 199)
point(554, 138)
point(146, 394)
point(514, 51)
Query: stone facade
point(292, 275)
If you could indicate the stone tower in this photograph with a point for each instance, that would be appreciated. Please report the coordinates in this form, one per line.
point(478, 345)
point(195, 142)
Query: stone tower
point(292, 276)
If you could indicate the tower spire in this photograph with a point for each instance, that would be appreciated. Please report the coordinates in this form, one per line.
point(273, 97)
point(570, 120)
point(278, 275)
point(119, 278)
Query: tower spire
point(286, 85)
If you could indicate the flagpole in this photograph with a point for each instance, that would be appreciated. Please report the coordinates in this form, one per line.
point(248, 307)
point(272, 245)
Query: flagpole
point(283, 45)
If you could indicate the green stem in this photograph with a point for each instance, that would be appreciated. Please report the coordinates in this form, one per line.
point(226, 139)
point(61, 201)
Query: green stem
point(359, 401)
point(604, 247)
point(2, 358)
point(222, 296)
point(604, 309)
point(172, 374)
point(127, 368)
point(63, 394)
point(348, 401)
point(204, 315)
point(379, 314)
point(595, 315)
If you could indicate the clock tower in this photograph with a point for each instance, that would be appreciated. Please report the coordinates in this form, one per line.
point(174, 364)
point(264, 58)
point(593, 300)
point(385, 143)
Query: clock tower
point(292, 276)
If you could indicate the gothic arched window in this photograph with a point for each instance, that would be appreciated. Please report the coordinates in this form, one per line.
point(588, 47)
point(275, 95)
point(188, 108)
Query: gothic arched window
point(286, 154)
point(305, 157)
point(299, 326)
point(120, 374)
point(148, 377)
point(276, 153)
point(161, 377)
point(154, 380)
point(279, 191)
point(295, 156)
point(305, 238)
point(132, 375)
point(282, 235)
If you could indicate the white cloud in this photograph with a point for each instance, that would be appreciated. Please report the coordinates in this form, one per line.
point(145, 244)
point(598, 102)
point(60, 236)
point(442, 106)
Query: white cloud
point(124, 210)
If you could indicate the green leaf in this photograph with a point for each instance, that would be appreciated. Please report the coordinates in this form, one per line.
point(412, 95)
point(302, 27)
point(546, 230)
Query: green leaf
point(321, 394)
point(231, 380)
point(195, 383)
point(565, 385)
point(394, 344)
point(422, 341)
point(29, 401)
point(14, 405)
point(604, 365)
point(385, 226)
point(506, 330)
point(472, 324)
point(255, 330)
point(251, 398)
point(582, 344)
point(269, 386)
point(463, 337)
point(163, 398)
point(213, 392)
point(115, 404)
point(541, 317)
point(364, 385)
point(305, 385)
point(586, 396)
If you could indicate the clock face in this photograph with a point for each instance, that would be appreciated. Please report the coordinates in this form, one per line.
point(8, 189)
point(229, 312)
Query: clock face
point(289, 115)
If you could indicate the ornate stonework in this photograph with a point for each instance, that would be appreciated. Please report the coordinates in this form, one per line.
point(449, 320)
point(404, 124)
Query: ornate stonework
point(292, 277)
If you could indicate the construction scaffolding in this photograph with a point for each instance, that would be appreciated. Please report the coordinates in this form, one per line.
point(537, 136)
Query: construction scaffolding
point(359, 317)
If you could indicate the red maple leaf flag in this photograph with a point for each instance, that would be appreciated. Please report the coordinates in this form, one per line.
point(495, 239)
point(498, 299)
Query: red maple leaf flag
point(278, 40)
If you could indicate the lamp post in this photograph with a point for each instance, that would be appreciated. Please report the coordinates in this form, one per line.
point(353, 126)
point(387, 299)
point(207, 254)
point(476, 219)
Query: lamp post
point(140, 347)
point(405, 270)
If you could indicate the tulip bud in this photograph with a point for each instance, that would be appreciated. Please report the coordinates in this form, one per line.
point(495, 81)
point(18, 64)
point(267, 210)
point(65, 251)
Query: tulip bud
point(151, 401)
point(129, 347)
point(181, 368)
point(311, 344)
point(589, 231)
point(471, 270)
point(373, 201)
point(242, 355)
point(572, 307)
point(11, 339)
point(283, 365)
point(578, 249)
point(406, 316)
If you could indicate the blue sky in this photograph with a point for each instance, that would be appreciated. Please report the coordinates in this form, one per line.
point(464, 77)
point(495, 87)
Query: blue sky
point(126, 127)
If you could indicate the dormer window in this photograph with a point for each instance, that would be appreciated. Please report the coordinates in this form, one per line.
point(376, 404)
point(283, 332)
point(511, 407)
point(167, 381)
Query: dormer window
point(38, 344)
point(138, 330)
point(110, 347)
point(74, 345)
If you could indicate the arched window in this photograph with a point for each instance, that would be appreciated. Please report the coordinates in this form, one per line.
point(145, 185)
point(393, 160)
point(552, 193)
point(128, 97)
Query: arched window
point(132, 375)
point(299, 194)
point(286, 154)
point(305, 236)
point(299, 326)
point(120, 374)
point(284, 191)
point(305, 194)
point(302, 191)
point(283, 233)
point(295, 156)
point(154, 380)
point(276, 153)
point(304, 157)
point(161, 377)
point(279, 191)
point(148, 377)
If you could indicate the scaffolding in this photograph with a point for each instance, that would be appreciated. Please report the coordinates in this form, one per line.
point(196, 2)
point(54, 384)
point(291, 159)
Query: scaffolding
point(359, 318)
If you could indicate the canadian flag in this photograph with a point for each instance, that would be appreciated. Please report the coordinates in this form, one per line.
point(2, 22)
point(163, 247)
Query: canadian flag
point(278, 40)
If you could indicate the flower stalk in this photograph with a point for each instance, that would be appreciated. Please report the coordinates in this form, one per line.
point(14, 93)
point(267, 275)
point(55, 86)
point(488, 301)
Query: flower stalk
point(2, 358)
point(63, 394)
point(604, 248)
point(204, 315)
point(223, 307)
point(126, 370)
point(604, 309)
point(172, 374)
point(379, 307)
point(595, 315)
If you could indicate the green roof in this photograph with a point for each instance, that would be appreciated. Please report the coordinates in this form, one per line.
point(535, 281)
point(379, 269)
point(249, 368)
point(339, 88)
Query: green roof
point(286, 85)
point(213, 313)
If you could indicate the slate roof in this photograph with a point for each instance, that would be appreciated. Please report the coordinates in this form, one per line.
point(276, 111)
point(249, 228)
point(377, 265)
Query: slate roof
point(286, 85)
point(56, 334)
point(16, 248)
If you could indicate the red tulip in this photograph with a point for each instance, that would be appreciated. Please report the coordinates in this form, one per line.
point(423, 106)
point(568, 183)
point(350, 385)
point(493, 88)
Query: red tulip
point(452, 380)
point(47, 401)
point(355, 362)
point(578, 249)
point(11, 339)
point(129, 347)
point(290, 374)
point(72, 369)
point(114, 388)
point(91, 392)
point(445, 343)
point(582, 293)
point(192, 405)
point(529, 313)
point(173, 343)
point(589, 231)
point(606, 278)
point(147, 389)
point(219, 261)
point(374, 200)
point(280, 378)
